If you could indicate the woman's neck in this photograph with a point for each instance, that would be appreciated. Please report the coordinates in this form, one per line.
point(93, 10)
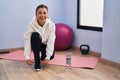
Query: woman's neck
point(41, 23)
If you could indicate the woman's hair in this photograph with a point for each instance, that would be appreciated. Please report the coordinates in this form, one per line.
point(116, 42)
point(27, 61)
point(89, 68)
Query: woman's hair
point(41, 6)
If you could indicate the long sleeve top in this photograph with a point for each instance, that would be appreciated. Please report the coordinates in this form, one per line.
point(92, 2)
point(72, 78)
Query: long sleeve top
point(47, 32)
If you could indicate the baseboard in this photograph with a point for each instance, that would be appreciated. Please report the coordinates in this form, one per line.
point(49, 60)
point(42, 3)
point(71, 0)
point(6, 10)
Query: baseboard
point(9, 50)
point(109, 62)
point(90, 52)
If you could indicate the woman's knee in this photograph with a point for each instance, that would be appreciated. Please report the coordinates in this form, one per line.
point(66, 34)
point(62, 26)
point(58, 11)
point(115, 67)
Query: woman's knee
point(36, 35)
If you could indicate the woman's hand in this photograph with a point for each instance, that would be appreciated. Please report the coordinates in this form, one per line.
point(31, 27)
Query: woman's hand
point(29, 61)
point(45, 61)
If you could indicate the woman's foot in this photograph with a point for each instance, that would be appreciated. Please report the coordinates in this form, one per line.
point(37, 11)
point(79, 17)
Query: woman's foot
point(37, 66)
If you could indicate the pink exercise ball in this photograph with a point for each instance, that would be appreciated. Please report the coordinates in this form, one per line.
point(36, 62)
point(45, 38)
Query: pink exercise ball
point(64, 36)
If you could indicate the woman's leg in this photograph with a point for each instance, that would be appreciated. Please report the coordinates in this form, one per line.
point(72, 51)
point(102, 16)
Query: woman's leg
point(35, 46)
point(43, 52)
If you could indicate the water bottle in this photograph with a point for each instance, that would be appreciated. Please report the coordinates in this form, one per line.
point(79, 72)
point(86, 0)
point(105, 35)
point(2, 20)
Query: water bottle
point(68, 61)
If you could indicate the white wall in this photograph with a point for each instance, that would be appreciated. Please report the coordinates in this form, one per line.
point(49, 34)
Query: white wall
point(16, 14)
point(111, 31)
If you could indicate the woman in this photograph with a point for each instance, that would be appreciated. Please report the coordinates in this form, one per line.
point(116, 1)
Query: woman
point(40, 38)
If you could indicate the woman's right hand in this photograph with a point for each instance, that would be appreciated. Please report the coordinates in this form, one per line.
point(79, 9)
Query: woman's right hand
point(29, 61)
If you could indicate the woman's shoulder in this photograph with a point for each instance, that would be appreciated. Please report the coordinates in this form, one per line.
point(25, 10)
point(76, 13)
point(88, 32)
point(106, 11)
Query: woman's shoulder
point(50, 24)
point(49, 20)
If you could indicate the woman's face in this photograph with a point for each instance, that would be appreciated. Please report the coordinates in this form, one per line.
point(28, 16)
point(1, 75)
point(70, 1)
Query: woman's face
point(41, 15)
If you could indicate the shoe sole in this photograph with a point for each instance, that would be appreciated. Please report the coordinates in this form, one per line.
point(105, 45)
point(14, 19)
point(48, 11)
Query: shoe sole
point(37, 70)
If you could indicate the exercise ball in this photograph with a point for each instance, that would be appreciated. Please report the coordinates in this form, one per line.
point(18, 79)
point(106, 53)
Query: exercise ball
point(64, 36)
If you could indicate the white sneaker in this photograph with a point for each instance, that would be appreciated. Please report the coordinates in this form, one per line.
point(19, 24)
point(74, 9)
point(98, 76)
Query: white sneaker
point(37, 70)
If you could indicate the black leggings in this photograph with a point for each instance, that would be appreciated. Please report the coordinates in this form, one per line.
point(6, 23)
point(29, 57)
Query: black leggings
point(37, 46)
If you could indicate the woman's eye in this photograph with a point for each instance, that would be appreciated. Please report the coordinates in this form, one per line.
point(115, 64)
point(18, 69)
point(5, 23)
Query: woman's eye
point(44, 12)
point(40, 13)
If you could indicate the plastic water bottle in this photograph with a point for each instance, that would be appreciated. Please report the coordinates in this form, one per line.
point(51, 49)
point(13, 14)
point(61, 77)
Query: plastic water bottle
point(68, 61)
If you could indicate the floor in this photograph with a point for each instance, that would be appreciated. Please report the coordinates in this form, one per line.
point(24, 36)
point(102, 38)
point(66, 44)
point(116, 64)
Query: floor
point(16, 70)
